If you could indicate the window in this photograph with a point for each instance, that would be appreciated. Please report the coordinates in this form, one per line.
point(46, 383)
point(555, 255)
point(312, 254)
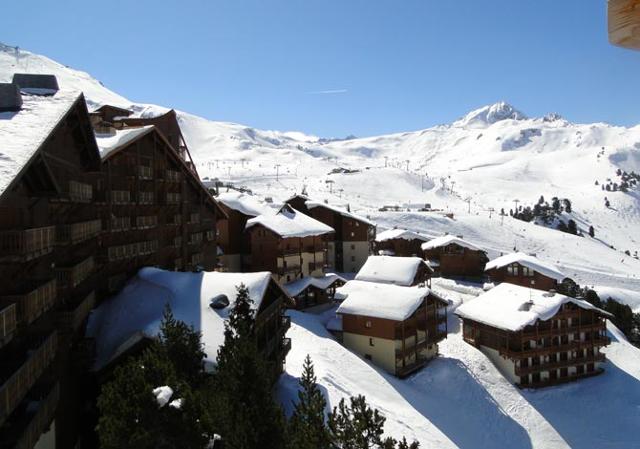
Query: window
point(357, 224)
point(368, 357)
point(353, 234)
point(288, 278)
point(512, 269)
point(353, 246)
point(371, 342)
point(367, 324)
point(526, 271)
point(353, 258)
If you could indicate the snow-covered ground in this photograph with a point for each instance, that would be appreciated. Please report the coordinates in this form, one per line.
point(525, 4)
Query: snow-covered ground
point(461, 400)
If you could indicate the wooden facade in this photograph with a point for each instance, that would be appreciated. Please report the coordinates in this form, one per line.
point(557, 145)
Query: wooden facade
point(518, 274)
point(353, 240)
point(456, 260)
point(400, 347)
point(313, 295)
point(288, 258)
point(401, 247)
point(61, 217)
point(560, 349)
point(233, 240)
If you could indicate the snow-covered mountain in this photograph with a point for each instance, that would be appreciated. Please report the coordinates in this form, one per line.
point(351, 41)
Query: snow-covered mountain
point(472, 168)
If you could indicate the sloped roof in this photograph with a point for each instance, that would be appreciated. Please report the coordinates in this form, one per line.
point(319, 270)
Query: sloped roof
point(391, 302)
point(298, 286)
point(390, 269)
point(23, 132)
point(289, 222)
point(392, 234)
point(446, 240)
point(513, 307)
point(134, 314)
point(109, 144)
point(243, 203)
point(311, 204)
point(542, 267)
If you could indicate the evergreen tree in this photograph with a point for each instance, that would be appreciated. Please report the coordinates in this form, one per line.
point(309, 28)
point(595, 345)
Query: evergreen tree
point(246, 415)
point(555, 204)
point(592, 232)
point(572, 227)
point(130, 415)
point(307, 428)
point(567, 205)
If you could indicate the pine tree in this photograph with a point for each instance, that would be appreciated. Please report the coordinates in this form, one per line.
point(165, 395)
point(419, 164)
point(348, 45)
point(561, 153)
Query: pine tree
point(130, 416)
point(592, 232)
point(307, 428)
point(245, 412)
point(572, 228)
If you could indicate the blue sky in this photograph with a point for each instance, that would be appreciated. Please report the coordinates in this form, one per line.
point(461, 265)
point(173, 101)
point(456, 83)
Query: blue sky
point(339, 67)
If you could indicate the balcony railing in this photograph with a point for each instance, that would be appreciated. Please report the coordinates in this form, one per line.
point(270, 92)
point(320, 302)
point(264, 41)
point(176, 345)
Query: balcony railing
point(559, 330)
point(145, 197)
point(37, 300)
point(14, 389)
point(146, 221)
point(80, 192)
point(145, 172)
point(173, 176)
point(40, 421)
point(71, 320)
point(173, 198)
point(27, 244)
point(524, 370)
point(547, 349)
point(78, 232)
point(120, 196)
point(70, 277)
point(8, 322)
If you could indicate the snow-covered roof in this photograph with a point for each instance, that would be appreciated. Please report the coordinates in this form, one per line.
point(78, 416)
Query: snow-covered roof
point(512, 307)
point(135, 313)
point(542, 267)
point(345, 213)
point(448, 240)
point(392, 234)
point(243, 203)
point(298, 286)
point(112, 142)
point(289, 222)
point(392, 302)
point(23, 132)
point(390, 269)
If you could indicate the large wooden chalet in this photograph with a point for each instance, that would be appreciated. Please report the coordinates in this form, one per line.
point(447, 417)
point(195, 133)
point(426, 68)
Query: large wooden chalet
point(351, 243)
point(452, 256)
point(288, 243)
point(525, 270)
point(77, 219)
point(536, 338)
point(399, 242)
point(405, 271)
point(312, 291)
point(397, 328)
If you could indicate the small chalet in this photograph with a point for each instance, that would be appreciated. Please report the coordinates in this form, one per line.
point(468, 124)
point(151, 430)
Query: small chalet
point(397, 328)
point(240, 208)
point(124, 323)
point(353, 239)
point(525, 270)
point(452, 256)
point(399, 242)
point(288, 243)
point(536, 338)
point(405, 271)
point(312, 291)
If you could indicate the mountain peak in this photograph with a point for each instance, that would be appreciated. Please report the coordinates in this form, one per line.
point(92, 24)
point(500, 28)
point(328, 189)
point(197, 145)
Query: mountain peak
point(490, 114)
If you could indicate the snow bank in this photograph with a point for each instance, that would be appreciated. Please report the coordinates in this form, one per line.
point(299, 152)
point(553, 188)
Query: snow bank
point(391, 302)
point(512, 307)
point(542, 267)
point(243, 203)
point(621, 295)
point(163, 394)
point(134, 314)
point(110, 143)
point(390, 269)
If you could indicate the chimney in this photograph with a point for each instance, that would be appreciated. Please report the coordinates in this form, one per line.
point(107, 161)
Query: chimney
point(10, 97)
point(36, 84)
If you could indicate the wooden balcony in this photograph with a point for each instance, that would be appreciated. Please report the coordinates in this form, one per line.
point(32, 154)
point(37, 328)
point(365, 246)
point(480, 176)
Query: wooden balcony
point(70, 319)
point(80, 192)
point(39, 420)
point(561, 330)
point(8, 322)
point(23, 245)
point(524, 370)
point(173, 176)
point(561, 380)
point(78, 232)
point(549, 349)
point(72, 276)
point(38, 297)
point(23, 376)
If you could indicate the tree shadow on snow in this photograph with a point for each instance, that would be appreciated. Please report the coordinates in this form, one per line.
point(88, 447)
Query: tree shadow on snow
point(597, 412)
point(452, 399)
